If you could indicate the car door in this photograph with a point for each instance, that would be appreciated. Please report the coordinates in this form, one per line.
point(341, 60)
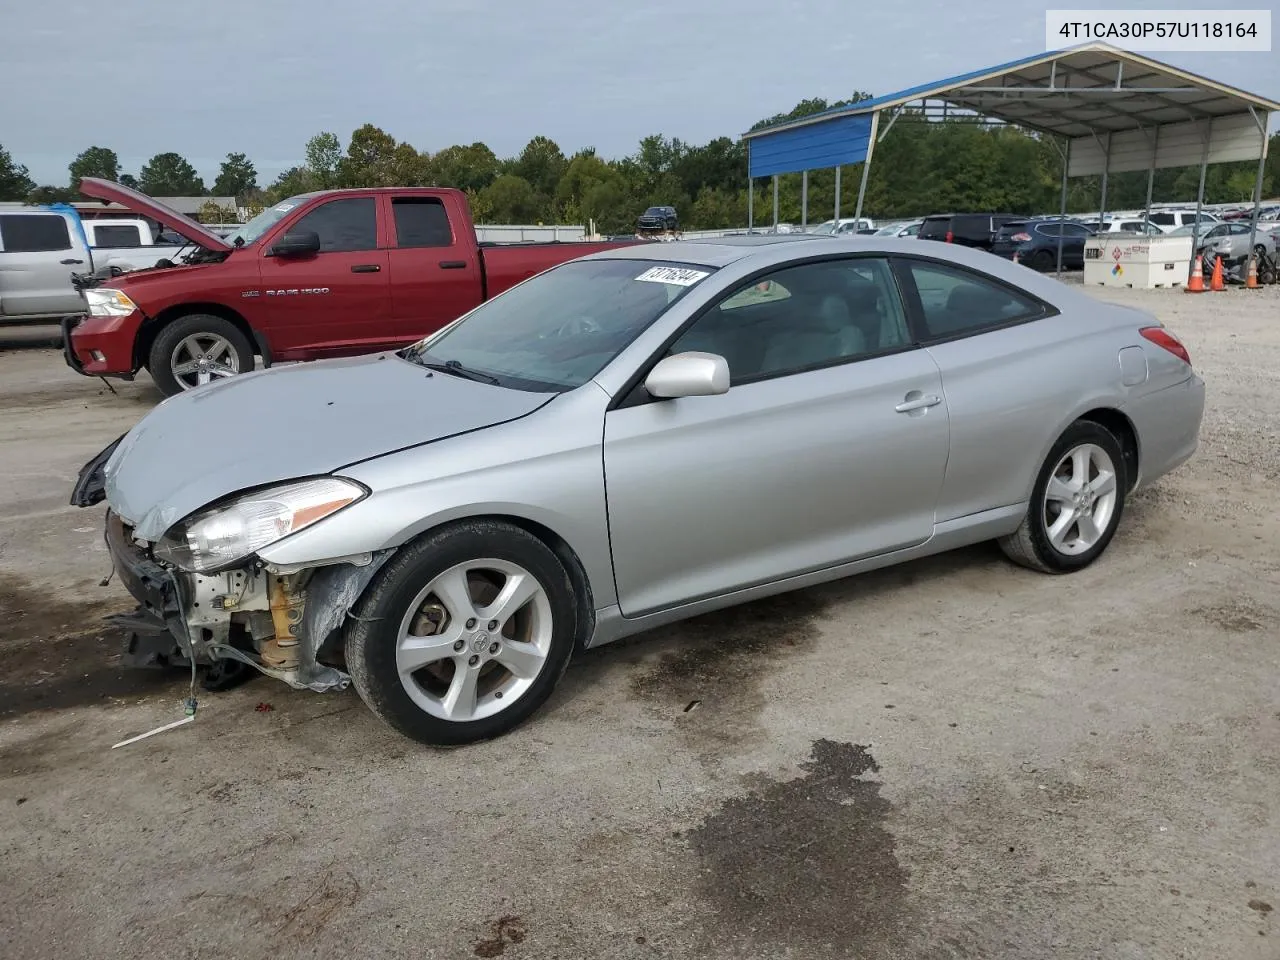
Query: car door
point(38, 253)
point(337, 301)
point(1002, 386)
point(435, 272)
point(829, 446)
point(1073, 238)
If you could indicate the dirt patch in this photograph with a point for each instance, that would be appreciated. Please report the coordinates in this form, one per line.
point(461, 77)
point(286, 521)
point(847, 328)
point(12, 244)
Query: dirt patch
point(59, 654)
point(707, 672)
point(502, 931)
point(1237, 615)
point(807, 863)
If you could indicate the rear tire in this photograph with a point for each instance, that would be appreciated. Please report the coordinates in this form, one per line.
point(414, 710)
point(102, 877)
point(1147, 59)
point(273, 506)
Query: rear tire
point(195, 349)
point(434, 651)
point(1076, 503)
point(1043, 261)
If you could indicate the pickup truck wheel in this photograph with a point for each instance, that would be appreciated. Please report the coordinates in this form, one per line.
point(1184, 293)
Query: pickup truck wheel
point(195, 350)
point(463, 634)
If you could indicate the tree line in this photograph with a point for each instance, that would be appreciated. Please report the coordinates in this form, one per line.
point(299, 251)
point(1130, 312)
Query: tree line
point(921, 166)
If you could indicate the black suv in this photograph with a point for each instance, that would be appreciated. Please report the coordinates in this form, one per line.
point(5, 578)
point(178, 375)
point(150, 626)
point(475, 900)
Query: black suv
point(658, 218)
point(967, 229)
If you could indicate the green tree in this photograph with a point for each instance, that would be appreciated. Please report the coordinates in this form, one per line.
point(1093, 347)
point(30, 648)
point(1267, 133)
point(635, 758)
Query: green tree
point(95, 162)
point(237, 177)
point(128, 180)
point(48, 194)
point(470, 168)
point(541, 164)
point(170, 175)
point(323, 154)
point(509, 199)
point(292, 182)
point(15, 184)
point(369, 160)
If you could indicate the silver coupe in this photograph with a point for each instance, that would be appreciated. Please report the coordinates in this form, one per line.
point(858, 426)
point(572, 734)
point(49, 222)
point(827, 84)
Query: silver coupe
point(623, 441)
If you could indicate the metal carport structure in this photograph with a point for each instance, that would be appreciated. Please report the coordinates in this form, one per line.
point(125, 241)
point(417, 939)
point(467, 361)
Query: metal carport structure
point(1109, 110)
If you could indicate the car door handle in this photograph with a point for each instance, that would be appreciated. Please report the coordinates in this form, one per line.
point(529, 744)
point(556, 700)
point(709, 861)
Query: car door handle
point(453, 264)
point(919, 403)
point(365, 268)
point(68, 263)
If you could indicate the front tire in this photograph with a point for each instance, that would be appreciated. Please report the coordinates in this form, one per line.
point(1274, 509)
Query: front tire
point(1075, 505)
point(464, 634)
point(198, 349)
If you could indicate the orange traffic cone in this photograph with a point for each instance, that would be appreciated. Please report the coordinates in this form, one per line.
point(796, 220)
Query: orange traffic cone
point(1216, 283)
point(1251, 281)
point(1196, 283)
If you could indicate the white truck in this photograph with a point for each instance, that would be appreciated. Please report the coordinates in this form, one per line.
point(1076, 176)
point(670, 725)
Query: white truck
point(42, 246)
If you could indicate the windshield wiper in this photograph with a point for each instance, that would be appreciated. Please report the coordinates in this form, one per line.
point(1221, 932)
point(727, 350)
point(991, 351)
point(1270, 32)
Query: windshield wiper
point(456, 368)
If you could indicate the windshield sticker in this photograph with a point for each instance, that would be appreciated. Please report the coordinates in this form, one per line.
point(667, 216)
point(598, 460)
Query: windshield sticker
point(680, 276)
point(285, 207)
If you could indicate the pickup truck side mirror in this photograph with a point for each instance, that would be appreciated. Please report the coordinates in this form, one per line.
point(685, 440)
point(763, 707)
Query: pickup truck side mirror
point(301, 243)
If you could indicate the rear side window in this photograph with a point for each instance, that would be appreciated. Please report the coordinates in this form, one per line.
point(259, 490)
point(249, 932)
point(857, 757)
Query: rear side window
point(33, 233)
point(1077, 230)
point(971, 226)
point(122, 235)
point(935, 227)
point(1164, 219)
point(343, 225)
point(421, 222)
point(956, 302)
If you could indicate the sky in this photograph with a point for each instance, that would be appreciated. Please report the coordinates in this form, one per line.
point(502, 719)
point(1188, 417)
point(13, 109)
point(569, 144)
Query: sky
point(262, 76)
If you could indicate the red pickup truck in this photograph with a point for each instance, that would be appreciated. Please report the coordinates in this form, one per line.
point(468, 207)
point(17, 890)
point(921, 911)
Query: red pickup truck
point(324, 274)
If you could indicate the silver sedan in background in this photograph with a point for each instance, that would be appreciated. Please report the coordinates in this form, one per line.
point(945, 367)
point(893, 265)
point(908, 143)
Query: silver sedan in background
point(627, 440)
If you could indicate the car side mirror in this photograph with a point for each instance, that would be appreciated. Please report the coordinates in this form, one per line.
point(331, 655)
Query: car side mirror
point(691, 374)
point(299, 243)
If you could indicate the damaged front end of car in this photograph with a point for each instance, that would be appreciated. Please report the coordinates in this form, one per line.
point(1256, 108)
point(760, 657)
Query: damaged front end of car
point(204, 595)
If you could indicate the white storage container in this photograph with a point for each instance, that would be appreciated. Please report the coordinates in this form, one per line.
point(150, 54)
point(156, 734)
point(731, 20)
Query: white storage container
point(1133, 260)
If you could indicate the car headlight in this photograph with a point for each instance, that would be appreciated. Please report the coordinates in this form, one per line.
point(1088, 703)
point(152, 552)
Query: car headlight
point(107, 302)
point(219, 537)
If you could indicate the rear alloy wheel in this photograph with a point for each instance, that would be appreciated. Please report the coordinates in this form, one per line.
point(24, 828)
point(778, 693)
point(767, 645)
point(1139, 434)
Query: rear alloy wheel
point(198, 349)
point(1043, 261)
point(464, 634)
point(1075, 505)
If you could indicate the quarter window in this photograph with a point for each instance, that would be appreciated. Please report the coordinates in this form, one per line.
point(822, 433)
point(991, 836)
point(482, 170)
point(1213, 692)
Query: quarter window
point(117, 235)
point(343, 225)
point(802, 318)
point(955, 302)
point(33, 233)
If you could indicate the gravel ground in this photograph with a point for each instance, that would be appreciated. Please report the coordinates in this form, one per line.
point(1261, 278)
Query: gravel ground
point(953, 758)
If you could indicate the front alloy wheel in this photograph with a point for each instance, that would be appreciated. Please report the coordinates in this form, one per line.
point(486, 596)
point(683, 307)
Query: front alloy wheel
point(464, 633)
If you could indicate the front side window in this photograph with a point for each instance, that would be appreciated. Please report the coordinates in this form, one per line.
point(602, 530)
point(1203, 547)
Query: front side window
point(802, 318)
point(559, 329)
point(33, 233)
point(1163, 219)
point(956, 302)
point(343, 225)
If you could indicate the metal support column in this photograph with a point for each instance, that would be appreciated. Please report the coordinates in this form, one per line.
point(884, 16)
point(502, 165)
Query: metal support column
point(1151, 178)
point(1204, 166)
point(775, 203)
point(804, 199)
point(866, 166)
point(1106, 171)
point(837, 227)
point(751, 191)
point(1257, 183)
point(1065, 150)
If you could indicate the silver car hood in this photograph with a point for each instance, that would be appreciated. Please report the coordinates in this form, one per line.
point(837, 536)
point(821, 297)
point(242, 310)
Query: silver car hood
point(276, 425)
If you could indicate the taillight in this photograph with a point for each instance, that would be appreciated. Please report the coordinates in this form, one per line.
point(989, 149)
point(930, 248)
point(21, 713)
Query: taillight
point(1163, 338)
point(950, 236)
point(1020, 237)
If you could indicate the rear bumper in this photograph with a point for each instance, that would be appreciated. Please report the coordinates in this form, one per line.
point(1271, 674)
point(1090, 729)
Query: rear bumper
point(101, 346)
point(1168, 427)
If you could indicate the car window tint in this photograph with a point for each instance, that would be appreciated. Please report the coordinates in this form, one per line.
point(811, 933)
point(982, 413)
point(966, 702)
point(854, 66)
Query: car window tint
point(117, 235)
point(1163, 219)
point(956, 302)
point(33, 233)
point(350, 224)
point(1077, 230)
point(1049, 229)
point(421, 222)
point(801, 318)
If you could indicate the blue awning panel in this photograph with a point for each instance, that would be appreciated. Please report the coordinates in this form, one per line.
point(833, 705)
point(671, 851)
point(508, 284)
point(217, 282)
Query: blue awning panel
point(839, 141)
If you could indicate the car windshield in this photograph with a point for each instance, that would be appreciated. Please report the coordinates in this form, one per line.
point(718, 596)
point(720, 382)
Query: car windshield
point(556, 331)
point(263, 222)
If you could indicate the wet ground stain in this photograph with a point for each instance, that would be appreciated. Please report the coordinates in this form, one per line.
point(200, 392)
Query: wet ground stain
point(707, 674)
point(807, 863)
point(505, 930)
point(60, 654)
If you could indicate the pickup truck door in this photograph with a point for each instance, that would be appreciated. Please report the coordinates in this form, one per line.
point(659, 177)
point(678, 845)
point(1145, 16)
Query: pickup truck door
point(334, 302)
point(435, 265)
point(38, 253)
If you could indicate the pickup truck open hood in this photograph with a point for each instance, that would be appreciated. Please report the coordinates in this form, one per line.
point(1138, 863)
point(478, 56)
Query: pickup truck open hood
point(276, 425)
point(140, 203)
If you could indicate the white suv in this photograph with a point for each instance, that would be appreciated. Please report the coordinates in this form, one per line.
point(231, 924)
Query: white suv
point(1168, 220)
